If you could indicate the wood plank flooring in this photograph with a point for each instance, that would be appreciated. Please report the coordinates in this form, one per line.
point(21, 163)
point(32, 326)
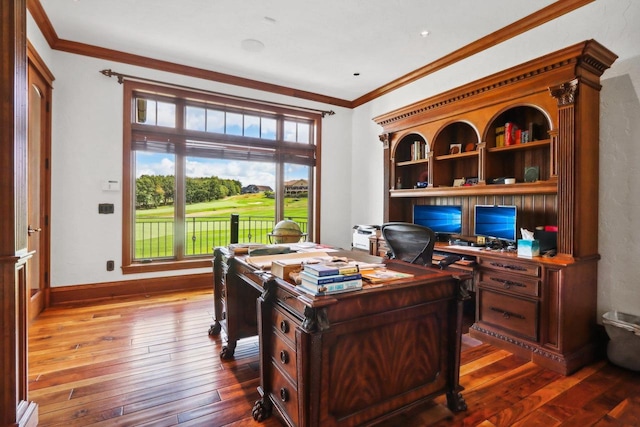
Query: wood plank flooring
point(150, 362)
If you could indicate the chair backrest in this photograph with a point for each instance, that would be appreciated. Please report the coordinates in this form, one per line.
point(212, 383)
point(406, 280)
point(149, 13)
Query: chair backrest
point(409, 242)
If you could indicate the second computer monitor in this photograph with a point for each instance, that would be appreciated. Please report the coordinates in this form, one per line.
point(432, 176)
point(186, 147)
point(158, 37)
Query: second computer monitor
point(496, 222)
point(442, 219)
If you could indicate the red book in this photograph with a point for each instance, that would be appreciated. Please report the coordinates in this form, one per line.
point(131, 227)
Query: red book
point(508, 134)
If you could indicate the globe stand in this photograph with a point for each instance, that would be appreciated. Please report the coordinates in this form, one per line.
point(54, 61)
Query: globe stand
point(286, 238)
point(286, 231)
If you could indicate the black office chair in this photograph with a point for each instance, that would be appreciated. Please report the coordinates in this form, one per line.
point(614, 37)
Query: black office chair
point(409, 242)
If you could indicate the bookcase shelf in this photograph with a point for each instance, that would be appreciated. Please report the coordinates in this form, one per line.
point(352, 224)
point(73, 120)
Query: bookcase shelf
point(457, 156)
point(526, 146)
point(525, 188)
point(412, 162)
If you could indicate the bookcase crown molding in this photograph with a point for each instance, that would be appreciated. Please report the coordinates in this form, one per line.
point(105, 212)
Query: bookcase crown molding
point(588, 60)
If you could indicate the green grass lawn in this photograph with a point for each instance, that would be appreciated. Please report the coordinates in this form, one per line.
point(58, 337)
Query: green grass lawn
point(208, 224)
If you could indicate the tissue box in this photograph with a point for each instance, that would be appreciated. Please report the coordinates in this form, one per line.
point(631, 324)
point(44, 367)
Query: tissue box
point(528, 248)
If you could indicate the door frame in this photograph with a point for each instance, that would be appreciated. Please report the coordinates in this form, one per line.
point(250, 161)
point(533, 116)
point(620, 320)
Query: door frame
point(41, 299)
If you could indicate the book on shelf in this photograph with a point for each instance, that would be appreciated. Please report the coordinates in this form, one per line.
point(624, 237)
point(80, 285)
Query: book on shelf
point(418, 150)
point(510, 133)
point(500, 136)
point(331, 268)
point(534, 131)
point(330, 288)
point(321, 280)
point(383, 275)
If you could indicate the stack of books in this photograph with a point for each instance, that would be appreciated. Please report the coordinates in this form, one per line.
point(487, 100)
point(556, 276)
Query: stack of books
point(330, 278)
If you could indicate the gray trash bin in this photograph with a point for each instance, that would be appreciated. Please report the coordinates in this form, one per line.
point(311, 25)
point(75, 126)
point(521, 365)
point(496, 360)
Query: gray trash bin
point(624, 339)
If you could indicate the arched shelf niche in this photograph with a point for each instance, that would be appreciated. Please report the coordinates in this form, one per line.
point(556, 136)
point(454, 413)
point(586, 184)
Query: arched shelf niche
point(455, 152)
point(411, 155)
point(518, 145)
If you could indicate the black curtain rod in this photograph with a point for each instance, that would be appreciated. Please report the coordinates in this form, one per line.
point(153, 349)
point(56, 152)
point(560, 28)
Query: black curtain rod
point(122, 77)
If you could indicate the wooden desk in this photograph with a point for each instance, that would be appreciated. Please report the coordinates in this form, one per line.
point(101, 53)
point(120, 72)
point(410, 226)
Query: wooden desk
point(351, 358)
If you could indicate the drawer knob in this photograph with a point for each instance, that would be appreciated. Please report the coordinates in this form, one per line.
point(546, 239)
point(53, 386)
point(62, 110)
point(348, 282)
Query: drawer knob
point(506, 314)
point(507, 284)
point(284, 394)
point(284, 326)
point(508, 266)
point(284, 357)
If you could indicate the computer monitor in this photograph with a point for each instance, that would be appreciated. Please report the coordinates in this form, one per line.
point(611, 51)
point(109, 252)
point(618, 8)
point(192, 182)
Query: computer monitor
point(442, 219)
point(496, 222)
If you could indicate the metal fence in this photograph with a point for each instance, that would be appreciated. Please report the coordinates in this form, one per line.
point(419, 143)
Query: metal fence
point(154, 237)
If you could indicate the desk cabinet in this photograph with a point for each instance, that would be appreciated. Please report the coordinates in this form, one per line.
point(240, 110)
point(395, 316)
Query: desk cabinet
point(541, 309)
point(509, 296)
point(358, 357)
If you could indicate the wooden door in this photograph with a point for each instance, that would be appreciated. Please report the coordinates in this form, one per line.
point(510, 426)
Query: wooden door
point(39, 92)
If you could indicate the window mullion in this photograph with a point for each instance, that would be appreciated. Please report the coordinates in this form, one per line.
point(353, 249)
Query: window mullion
point(279, 171)
point(180, 180)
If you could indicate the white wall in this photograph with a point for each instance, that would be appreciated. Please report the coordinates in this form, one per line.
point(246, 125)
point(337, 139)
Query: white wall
point(87, 148)
point(613, 23)
point(619, 228)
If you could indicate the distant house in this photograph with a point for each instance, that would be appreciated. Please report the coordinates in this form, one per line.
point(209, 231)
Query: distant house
point(296, 188)
point(252, 188)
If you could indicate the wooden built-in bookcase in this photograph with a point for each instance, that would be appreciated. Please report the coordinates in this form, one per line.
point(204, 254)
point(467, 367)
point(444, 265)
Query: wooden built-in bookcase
point(555, 99)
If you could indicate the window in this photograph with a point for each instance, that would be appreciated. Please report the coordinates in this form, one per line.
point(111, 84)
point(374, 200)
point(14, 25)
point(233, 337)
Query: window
point(194, 163)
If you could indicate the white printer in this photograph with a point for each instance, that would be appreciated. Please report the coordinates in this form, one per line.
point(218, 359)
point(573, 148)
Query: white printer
point(361, 234)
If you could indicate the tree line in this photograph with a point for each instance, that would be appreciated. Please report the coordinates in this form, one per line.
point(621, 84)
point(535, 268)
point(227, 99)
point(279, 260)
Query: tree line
point(153, 191)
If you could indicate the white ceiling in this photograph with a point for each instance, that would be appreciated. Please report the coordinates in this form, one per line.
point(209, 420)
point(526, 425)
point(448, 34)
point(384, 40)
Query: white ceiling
point(315, 46)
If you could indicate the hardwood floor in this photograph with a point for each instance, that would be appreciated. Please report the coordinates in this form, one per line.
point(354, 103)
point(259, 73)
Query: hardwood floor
point(150, 362)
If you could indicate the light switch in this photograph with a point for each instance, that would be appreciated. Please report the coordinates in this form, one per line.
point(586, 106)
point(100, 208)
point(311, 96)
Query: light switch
point(111, 185)
point(105, 208)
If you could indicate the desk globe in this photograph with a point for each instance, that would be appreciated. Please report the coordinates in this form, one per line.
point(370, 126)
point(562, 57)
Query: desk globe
point(286, 231)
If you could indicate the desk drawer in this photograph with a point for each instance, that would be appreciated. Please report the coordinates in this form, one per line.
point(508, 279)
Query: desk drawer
point(284, 356)
point(518, 285)
point(509, 266)
point(512, 314)
point(285, 325)
point(283, 394)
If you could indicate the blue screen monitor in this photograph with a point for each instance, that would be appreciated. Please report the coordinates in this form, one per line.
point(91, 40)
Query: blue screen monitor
point(497, 222)
point(442, 219)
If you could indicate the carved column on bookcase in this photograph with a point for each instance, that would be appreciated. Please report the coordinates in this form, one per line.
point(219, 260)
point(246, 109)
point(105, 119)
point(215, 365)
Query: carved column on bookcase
point(482, 155)
point(553, 155)
point(565, 94)
point(388, 175)
point(431, 158)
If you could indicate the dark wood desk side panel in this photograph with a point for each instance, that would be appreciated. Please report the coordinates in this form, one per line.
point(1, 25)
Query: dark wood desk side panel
point(374, 366)
point(570, 325)
point(241, 301)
